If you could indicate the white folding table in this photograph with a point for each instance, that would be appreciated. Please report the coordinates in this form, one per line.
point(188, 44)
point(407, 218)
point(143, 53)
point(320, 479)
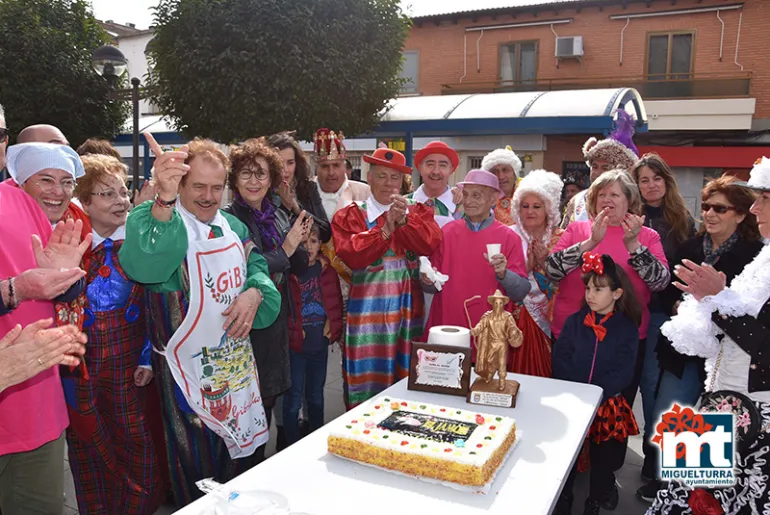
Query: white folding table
point(553, 416)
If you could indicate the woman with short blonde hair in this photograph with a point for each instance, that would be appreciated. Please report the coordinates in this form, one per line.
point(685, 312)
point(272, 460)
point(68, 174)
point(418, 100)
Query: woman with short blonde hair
point(111, 403)
point(615, 229)
point(627, 187)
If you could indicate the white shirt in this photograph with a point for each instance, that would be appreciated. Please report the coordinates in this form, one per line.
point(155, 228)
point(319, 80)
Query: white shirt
point(374, 209)
point(446, 198)
point(119, 234)
point(733, 372)
point(330, 200)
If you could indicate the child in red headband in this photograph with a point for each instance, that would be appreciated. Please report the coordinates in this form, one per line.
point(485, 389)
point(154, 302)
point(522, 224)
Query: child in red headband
point(598, 345)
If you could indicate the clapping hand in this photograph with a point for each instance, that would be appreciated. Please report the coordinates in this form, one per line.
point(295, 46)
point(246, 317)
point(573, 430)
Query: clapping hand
point(147, 192)
point(599, 227)
point(29, 351)
point(536, 254)
point(632, 226)
point(45, 283)
point(397, 211)
point(169, 168)
point(64, 249)
point(699, 280)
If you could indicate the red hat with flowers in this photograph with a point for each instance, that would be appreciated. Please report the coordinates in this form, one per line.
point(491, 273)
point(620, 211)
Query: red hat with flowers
point(437, 147)
point(391, 158)
point(328, 145)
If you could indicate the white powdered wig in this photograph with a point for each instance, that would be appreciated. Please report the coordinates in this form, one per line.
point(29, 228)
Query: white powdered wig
point(547, 186)
point(502, 156)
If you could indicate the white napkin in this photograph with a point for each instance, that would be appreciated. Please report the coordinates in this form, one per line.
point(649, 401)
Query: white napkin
point(437, 278)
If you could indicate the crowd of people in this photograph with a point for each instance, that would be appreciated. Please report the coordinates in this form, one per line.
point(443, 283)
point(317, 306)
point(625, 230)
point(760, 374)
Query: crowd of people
point(161, 338)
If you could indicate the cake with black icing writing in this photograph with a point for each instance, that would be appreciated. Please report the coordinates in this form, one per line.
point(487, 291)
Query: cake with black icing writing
point(458, 446)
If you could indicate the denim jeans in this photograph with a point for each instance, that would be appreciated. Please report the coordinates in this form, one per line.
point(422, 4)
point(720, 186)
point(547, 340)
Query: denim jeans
point(685, 392)
point(308, 375)
point(651, 372)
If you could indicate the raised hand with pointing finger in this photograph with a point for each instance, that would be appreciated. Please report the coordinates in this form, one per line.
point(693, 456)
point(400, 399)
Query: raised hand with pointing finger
point(168, 171)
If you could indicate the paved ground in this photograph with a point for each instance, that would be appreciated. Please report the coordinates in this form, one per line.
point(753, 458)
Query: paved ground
point(628, 476)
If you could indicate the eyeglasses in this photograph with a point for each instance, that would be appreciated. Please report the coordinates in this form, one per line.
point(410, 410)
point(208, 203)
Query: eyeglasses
point(48, 185)
point(112, 195)
point(4, 132)
point(246, 175)
point(717, 208)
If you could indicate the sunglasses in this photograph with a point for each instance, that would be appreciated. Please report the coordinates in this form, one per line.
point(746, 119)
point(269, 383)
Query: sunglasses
point(4, 132)
point(717, 208)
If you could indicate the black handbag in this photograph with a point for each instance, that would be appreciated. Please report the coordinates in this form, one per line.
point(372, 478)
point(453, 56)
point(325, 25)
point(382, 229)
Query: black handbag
point(748, 421)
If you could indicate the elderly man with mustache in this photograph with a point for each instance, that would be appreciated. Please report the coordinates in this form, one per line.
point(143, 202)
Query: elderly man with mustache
point(208, 289)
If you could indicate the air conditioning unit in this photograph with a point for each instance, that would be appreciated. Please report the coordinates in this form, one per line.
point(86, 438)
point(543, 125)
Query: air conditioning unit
point(570, 46)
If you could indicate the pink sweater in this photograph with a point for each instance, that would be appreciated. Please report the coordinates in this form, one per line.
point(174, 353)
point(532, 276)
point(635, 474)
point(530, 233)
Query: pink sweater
point(571, 289)
point(461, 257)
point(32, 413)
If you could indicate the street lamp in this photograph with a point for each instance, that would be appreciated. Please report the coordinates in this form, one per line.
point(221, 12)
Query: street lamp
point(109, 62)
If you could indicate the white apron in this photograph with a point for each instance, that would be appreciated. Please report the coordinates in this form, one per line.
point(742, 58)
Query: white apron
point(216, 373)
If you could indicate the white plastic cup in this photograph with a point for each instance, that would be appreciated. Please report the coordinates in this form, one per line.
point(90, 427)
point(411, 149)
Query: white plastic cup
point(492, 250)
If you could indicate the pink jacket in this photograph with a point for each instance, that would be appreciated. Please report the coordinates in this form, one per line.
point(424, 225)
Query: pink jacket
point(32, 413)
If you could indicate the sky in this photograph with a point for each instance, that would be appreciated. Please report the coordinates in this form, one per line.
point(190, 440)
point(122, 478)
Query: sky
point(138, 11)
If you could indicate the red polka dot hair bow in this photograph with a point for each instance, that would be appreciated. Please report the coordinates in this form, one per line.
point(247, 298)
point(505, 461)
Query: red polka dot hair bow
point(592, 263)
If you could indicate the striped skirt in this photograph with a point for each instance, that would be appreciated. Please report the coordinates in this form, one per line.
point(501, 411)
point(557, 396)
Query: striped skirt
point(385, 313)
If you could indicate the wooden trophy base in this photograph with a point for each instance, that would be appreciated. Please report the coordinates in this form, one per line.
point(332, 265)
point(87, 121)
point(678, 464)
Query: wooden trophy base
point(488, 394)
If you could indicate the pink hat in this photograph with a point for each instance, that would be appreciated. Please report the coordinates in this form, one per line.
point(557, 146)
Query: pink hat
point(482, 178)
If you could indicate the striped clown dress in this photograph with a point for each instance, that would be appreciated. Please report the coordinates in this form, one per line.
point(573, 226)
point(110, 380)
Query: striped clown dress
point(385, 309)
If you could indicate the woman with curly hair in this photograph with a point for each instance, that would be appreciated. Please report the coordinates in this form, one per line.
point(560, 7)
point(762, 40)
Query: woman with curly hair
point(114, 459)
point(254, 176)
point(297, 192)
point(535, 214)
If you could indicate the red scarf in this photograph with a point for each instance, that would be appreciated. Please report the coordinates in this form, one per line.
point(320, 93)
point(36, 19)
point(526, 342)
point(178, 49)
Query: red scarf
point(599, 329)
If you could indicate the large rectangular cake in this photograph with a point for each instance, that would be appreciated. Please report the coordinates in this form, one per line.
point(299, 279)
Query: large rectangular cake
point(458, 446)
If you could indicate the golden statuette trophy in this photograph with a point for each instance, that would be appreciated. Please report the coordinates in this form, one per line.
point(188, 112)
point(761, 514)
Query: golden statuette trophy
point(495, 332)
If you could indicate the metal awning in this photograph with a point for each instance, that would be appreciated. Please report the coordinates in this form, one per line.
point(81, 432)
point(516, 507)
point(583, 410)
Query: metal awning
point(584, 111)
point(588, 111)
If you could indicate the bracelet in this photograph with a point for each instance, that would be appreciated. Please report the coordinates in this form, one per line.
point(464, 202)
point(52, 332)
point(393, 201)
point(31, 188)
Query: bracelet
point(6, 304)
point(385, 235)
point(11, 294)
point(164, 203)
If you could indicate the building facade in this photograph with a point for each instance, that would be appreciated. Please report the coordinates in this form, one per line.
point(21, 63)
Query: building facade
point(700, 66)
